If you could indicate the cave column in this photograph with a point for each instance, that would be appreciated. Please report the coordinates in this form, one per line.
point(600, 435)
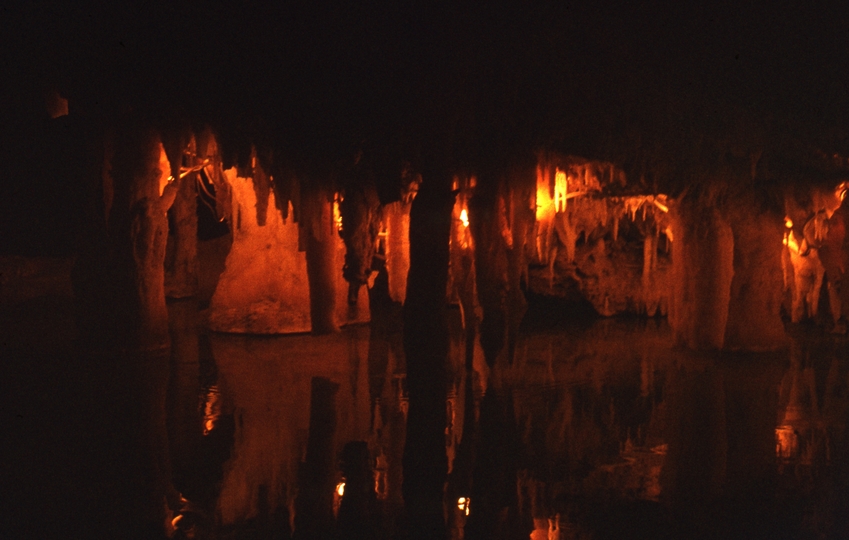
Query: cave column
point(123, 324)
point(181, 278)
point(703, 267)
point(754, 312)
point(318, 239)
point(426, 348)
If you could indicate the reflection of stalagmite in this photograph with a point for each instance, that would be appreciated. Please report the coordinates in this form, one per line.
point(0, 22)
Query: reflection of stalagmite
point(264, 288)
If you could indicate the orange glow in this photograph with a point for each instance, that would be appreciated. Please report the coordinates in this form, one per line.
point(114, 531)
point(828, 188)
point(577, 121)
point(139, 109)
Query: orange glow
point(561, 190)
point(786, 442)
point(211, 409)
point(337, 214)
point(165, 177)
point(790, 242)
point(464, 217)
point(340, 489)
point(544, 203)
point(463, 504)
point(788, 223)
point(841, 190)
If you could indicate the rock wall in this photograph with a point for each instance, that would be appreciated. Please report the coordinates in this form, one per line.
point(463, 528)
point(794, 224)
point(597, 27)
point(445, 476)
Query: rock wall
point(264, 288)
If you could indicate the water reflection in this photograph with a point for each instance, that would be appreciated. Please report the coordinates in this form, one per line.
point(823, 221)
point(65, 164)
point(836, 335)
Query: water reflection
point(597, 430)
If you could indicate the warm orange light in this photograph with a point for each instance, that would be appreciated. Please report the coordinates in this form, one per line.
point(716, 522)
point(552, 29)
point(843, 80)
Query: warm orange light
point(165, 177)
point(464, 217)
point(561, 190)
point(663, 207)
point(463, 504)
point(337, 214)
point(340, 489)
point(788, 223)
point(786, 442)
point(790, 242)
point(544, 203)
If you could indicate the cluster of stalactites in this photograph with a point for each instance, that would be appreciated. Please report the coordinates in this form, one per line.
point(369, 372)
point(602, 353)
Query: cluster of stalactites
point(572, 200)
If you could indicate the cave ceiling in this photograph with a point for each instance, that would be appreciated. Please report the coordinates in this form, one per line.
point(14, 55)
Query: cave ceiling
point(667, 92)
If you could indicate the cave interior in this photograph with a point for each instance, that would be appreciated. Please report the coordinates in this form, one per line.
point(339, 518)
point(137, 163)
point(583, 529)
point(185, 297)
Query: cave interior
point(282, 270)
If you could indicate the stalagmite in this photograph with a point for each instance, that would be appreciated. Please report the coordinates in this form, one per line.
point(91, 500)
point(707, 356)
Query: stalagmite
point(264, 288)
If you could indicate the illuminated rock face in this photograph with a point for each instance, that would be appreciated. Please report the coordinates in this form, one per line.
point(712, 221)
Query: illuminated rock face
point(816, 252)
point(264, 287)
point(397, 216)
point(614, 251)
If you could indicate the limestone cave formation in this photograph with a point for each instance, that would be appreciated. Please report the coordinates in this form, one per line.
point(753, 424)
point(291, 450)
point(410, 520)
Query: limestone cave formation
point(275, 270)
